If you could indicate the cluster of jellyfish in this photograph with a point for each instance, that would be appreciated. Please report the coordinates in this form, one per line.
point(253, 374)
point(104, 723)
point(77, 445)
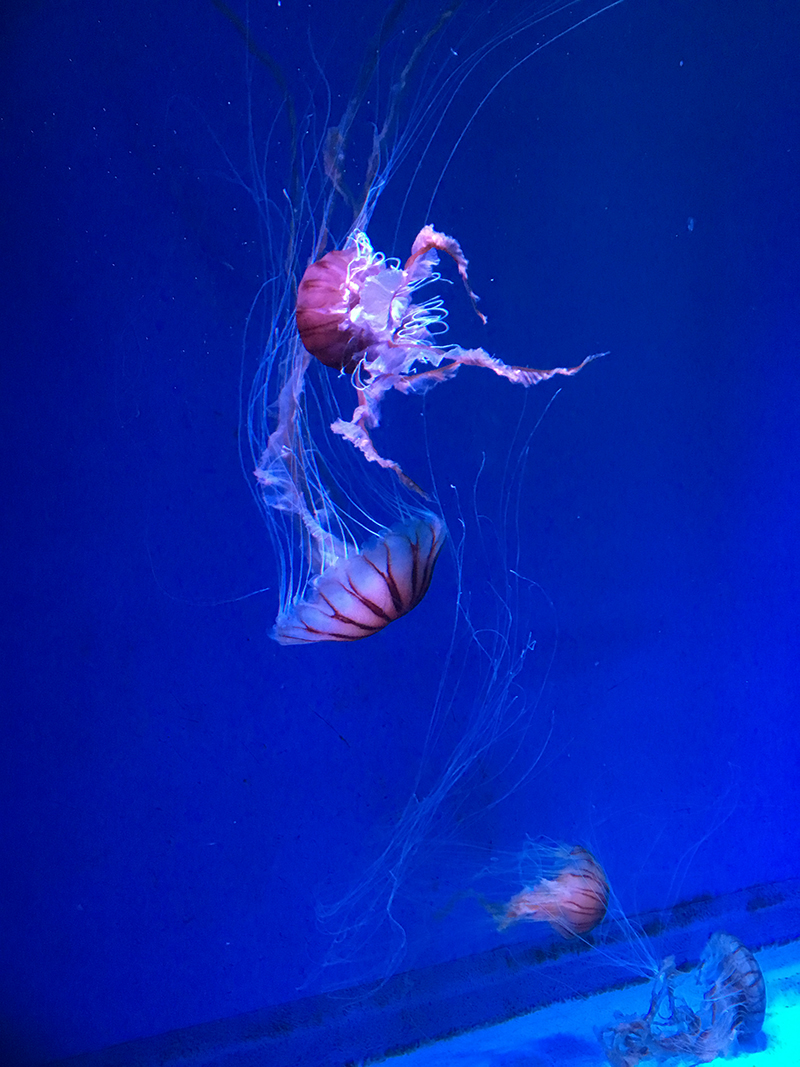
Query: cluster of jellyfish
point(572, 896)
point(356, 314)
point(365, 318)
point(351, 316)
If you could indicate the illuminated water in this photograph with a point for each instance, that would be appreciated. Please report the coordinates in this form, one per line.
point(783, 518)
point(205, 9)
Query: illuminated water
point(182, 798)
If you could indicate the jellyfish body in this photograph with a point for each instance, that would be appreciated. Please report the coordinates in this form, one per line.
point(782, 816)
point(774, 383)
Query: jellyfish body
point(361, 593)
point(732, 1009)
point(737, 991)
point(573, 902)
point(356, 313)
point(334, 585)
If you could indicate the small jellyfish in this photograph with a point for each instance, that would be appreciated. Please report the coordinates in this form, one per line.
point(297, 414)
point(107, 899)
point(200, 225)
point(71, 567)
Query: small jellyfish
point(732, 1009)
point(738, 990)
point(573, 902)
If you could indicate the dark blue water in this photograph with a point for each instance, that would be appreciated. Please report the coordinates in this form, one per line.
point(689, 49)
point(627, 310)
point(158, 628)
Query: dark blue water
point(179, 792)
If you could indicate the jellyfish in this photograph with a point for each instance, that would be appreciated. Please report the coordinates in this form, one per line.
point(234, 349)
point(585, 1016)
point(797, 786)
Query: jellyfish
point(737, 992)
point(573, 901)
point(356, 314)
point(337, 324)
point(732, 1009)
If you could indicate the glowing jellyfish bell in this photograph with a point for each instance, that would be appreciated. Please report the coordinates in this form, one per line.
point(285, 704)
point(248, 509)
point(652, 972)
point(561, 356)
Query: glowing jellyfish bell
point(572, 897)
point(355, 552)
point(737, 992)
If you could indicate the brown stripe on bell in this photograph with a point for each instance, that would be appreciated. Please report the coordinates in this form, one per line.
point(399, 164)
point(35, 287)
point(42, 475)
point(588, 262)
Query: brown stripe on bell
point(362, 593)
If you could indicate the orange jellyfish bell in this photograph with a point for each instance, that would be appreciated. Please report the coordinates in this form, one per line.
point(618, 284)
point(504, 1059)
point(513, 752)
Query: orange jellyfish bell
point(361, 593)
point(573, 902)
point(327, 321)
point(738, 990)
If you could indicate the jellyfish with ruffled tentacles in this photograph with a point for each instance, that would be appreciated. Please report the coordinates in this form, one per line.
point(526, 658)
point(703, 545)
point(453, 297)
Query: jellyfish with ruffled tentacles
point(728, 1019)
point(356, 313)
point(571, 894)
point(356, 553)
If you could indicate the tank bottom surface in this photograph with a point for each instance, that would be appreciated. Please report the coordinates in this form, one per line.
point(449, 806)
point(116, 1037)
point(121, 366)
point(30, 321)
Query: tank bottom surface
point(563, 1034)
point(530, 1003)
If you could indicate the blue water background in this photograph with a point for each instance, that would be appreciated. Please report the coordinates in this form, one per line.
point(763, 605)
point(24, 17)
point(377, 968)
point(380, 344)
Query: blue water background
point(178, 791)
